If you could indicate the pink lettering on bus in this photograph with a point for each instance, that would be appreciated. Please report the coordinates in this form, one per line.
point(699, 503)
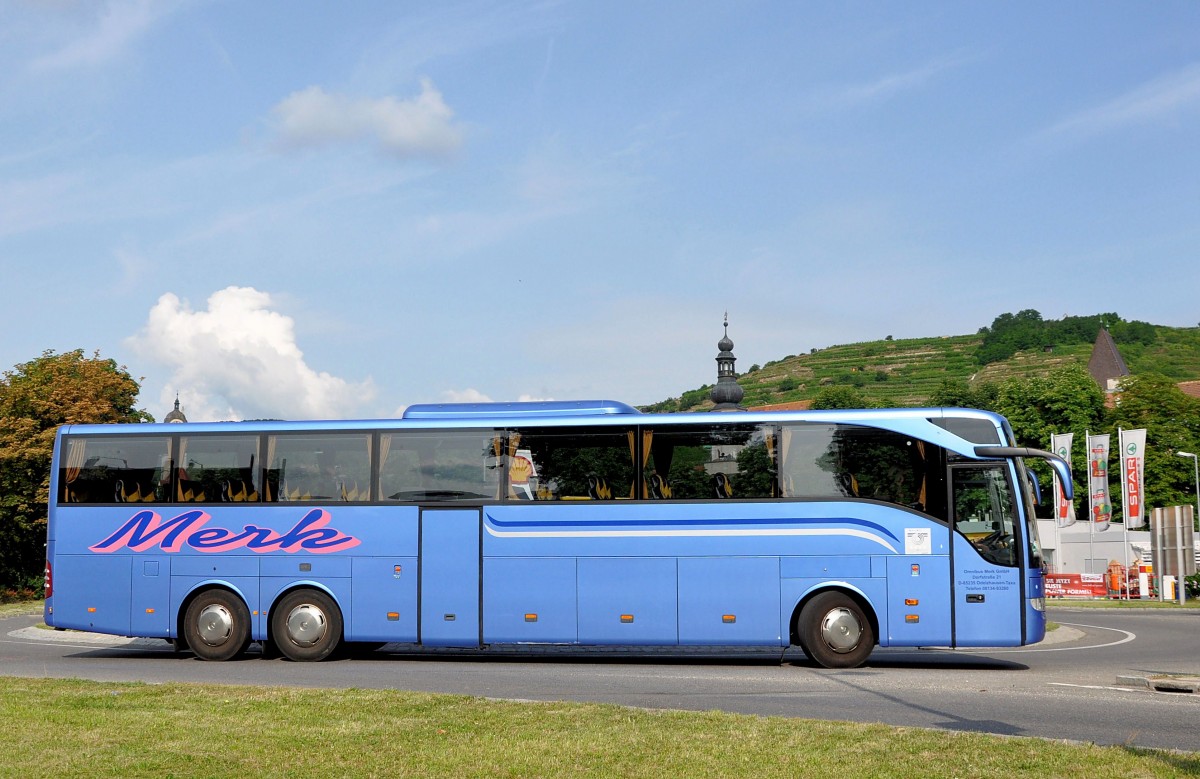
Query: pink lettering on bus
point(146, 529)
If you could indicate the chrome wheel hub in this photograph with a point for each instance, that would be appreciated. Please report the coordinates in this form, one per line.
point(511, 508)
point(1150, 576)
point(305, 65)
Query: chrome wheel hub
point(215, 624)
point(840, 630)
point(306, 625)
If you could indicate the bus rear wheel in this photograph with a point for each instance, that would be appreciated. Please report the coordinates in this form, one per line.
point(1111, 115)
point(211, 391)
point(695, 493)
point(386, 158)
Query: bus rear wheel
point(834, 631)
point(306, 625)
point(217, 625)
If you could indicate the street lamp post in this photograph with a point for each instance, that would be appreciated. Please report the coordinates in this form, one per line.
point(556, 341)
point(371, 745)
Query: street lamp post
point(1196, 468)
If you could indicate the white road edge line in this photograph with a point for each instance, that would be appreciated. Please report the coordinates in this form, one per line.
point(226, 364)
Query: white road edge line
point(1094, 687)
point(1128, 637)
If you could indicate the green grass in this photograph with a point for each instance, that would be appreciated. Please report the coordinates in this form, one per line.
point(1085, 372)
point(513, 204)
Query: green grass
point(1190, 603)
point(75, 728)
point(20, 608)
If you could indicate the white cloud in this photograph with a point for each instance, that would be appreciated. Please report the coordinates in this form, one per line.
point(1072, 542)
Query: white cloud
point(469, 395)
point(420, 127)
point(116, 27)
point(892, 84)
point(472, 395)
point(1158, 98)
point(239, 359)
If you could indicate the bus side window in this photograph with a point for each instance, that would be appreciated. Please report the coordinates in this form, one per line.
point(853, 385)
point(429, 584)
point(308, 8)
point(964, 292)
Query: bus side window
point(984, 512)
point(326, 467)
point(217, 469)
point(589, 463)
point(835, 461)
point(709, 462)
point(439, 466)
point(114, 470)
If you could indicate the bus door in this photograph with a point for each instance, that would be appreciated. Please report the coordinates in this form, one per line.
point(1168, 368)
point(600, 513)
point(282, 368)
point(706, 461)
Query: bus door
point(988, 606)
point(450, 565)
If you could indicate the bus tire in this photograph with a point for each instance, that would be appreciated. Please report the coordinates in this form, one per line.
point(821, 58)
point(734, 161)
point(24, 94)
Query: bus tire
point(834, 631)
point(306, 625)
point(216, 625)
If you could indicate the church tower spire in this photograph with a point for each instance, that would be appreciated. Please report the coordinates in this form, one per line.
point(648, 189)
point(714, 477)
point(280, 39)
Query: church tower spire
point(176, 415)
point(727, 393)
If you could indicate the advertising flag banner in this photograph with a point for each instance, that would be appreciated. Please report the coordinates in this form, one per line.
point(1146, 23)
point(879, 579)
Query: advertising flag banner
point(1064, 510)
point(1098, 500)
point(1133, 467)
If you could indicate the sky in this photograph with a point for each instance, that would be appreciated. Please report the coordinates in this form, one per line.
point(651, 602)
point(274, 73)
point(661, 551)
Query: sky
point(314, 210)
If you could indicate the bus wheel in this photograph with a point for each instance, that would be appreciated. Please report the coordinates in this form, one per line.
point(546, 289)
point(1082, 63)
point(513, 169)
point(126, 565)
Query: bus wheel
point(834, 631)
point(217, 625)
point(306, 625)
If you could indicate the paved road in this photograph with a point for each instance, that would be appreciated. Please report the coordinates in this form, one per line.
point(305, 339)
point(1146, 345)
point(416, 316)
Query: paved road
point(1063, 689)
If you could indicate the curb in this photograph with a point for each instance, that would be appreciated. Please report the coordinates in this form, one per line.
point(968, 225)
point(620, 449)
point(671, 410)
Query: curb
point(1060, 635)
point(34, 633)
point(1162, 683)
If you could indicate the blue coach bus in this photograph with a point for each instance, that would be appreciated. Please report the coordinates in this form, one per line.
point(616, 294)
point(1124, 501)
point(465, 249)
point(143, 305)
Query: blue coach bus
point(559, 523)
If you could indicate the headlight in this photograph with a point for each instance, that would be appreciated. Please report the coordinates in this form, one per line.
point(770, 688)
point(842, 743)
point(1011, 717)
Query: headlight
point(1039, 604)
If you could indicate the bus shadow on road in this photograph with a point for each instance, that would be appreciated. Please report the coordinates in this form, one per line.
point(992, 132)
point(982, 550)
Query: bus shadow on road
point(738, 656)
point(938, 660)
point(573, 654)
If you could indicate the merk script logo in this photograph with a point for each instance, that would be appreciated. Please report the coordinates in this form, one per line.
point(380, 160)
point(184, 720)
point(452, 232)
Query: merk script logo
point(146, 530)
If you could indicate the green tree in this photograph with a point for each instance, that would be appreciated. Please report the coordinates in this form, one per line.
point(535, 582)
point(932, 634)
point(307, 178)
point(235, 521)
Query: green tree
point(1011, 333)
point(959, 393)
point(1134, 332)
point(35, 398)
point(1068, 400)
point(1025, 330)
point(1172, 423)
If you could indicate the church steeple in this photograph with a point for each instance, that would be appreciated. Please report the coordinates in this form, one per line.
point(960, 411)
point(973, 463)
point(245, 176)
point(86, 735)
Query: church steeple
point(176, 415)
point(727, 393)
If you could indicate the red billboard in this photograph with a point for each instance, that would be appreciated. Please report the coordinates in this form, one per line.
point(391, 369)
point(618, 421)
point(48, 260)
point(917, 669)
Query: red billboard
point(1077, 585)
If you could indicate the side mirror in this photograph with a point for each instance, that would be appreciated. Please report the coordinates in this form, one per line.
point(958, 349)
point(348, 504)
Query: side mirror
point(1061, 468)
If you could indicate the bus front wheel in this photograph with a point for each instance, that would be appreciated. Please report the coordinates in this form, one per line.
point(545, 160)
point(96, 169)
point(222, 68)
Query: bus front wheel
point(217, 625)
point(834, 631)
point(306, 625)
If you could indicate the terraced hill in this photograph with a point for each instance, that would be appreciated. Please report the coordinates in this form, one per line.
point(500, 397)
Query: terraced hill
point(907, 372)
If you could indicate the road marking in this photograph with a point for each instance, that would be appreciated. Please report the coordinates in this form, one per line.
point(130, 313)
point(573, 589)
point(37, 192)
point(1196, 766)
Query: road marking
point(1092, 687)
point(1127, 638)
